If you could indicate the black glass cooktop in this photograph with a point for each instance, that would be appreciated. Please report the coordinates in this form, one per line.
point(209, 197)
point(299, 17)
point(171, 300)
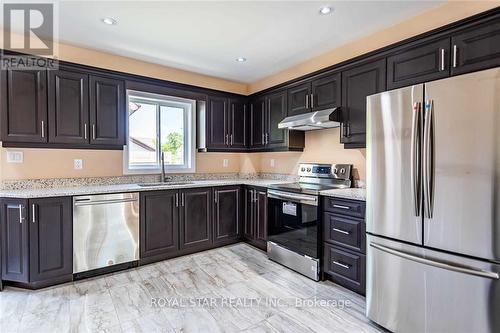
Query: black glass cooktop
point(306, 188)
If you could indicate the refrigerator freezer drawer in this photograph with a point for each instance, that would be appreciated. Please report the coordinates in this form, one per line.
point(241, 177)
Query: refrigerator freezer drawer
point(411, 289)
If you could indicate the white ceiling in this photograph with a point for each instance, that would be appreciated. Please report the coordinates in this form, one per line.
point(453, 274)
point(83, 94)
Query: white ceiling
point(207, 36)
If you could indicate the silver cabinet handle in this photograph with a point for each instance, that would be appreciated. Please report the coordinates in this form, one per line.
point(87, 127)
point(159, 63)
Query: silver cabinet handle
point(43, 129)
point(33, 213)
point(428, 158)
point(415, 157)
point(267, 138)
point(182, 199)
point(93, 131)
point(263, 139)
point(254, 195)
point(85, 131)
point(232, 140)
point(177, 199)
point(455, 49)
point(312, 101)
point(341, 264)
point(21, 218)
point(341, 231)
point(442, 60)
point(439, 264)
point(341, 207)
point(307, 101)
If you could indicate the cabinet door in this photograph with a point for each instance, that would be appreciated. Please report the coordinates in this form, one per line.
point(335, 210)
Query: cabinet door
point(51, 238)
point(15, 249)
point(358, 83)
point(420, 63)
point(276, 112)
point(217, 123)
point(326, 92)
point(195, 218)
point(257, 117)
point(298, 99)
point(23, 105)
point(68, 107)
point(261, 218)
point(237, 124)
point(227, 213)
point(159, 223)
point(476, 48)
point(249, 220)
point(107, 111)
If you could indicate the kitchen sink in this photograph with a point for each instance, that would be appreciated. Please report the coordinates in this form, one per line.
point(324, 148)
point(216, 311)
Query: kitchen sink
point(163, 184)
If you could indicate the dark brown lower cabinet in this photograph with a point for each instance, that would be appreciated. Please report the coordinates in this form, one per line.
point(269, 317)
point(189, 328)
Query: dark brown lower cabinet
point(345, 267)
point(159, 224)
point(195, 218)
point(37, 238)
point(227, 214)
point(51, 239)
point(15, 238)
point(255, 217)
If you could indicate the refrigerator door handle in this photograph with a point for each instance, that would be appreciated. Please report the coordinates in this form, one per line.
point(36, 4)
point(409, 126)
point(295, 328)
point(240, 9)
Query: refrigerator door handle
point(444, 265)
point(415, 157)
point(428, 158)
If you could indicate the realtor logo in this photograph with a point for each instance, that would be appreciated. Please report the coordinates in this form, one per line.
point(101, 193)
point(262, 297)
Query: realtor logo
point(28, 30)
point(35, 21)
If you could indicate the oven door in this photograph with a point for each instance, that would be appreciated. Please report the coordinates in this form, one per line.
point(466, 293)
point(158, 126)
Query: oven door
point(292, 221)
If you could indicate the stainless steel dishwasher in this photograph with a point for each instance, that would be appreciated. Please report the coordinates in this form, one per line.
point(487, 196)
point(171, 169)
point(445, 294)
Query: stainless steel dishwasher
point(105, 230)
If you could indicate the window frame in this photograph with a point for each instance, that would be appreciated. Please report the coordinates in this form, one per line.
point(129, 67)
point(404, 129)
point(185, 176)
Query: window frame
point(189, 107)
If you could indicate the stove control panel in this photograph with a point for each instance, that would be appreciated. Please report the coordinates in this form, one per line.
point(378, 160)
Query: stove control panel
point(341, 171)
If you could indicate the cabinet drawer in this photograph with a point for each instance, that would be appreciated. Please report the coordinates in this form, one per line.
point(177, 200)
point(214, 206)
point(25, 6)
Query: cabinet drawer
point(344, 231)
point(345, 268)
point(345, 207)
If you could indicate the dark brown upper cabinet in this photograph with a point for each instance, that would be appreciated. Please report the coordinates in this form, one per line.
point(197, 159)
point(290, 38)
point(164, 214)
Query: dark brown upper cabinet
point(51, 239)
point(257, 119)
point(217, 123)
point(358, 83)
point(195, 218)
point(107, 111)
point(276, 112)
point(237, 124)
point(419, 63)
point(159, 224)
point(15, 240)
point(325, 92)
point(299, 99)
point(476, 48)
point(227, 214)
point(68, 107)
point(23, 105)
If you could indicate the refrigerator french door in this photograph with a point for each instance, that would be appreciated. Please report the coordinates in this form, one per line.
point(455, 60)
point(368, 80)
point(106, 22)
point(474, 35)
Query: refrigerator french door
point(433, 164)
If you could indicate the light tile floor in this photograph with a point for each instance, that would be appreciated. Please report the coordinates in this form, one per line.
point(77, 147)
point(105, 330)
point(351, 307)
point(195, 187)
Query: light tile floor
point(122, 302)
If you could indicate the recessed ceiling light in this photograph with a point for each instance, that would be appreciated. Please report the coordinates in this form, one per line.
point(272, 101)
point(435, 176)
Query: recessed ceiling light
point(109, 21)
point(241, 59)
point(325, 10)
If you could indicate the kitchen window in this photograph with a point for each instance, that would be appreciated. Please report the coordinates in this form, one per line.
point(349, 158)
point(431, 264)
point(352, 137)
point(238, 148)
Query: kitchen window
point(159, 124)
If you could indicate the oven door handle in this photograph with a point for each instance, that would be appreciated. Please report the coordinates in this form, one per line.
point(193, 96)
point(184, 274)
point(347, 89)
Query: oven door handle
point(300, 198)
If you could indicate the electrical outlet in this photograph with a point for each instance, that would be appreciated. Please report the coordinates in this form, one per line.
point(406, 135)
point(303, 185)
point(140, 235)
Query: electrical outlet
point(225, 163)
point(15, 157)
point(78, 164)
point(273, 162)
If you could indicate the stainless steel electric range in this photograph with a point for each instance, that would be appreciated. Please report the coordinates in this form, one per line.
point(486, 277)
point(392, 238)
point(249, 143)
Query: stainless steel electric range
point(294, 216)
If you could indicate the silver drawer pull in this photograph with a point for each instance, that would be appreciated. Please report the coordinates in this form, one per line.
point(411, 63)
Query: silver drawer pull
point(341, 207)
point(341, 231)
point(341, 264)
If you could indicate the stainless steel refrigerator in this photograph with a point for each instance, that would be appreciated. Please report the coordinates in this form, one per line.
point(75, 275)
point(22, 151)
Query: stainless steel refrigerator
point(433, 206)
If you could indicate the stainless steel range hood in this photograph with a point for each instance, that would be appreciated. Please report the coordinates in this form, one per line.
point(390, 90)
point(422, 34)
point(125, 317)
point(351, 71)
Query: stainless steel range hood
point(328, 118)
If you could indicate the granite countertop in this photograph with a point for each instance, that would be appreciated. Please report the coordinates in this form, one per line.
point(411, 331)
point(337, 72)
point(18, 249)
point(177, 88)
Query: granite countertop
point(347, 193)
point(119, 188)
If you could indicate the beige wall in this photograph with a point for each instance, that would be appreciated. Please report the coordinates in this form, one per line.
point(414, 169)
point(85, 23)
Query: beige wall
point(447, 13)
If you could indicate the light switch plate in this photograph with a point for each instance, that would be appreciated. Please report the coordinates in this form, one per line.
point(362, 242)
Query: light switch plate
point(15, 157)
point(225, 163)
point(273, 162)
point(78, 164)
